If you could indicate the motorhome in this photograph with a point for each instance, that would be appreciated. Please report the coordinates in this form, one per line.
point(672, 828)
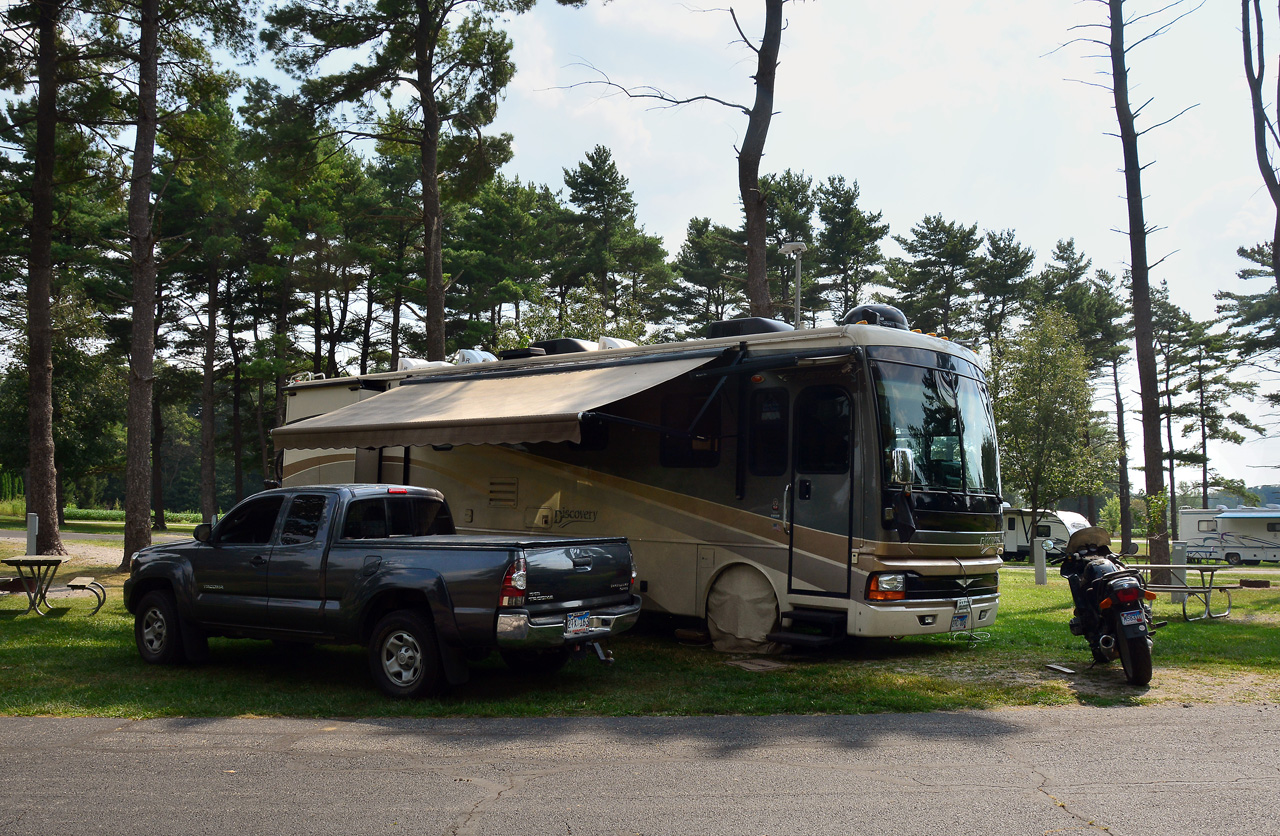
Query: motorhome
point(1237, 535)
point(840, 479)
point(1054, 525)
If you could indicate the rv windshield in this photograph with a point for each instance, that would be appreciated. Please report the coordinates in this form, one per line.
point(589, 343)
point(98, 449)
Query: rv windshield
point(944, 418)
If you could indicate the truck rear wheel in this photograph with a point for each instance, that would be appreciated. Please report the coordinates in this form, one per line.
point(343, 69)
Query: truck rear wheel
point(403, 656)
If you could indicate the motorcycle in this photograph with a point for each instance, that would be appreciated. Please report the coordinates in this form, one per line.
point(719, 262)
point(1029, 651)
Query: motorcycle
point(1112, 603)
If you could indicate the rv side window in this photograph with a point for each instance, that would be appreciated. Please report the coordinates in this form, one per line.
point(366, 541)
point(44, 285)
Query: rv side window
point(768, 451)
point(1273, 526)
point(823, 425)
point(678, 412)
point(1042, 531)
point(1013, 524)
point(1209, 525)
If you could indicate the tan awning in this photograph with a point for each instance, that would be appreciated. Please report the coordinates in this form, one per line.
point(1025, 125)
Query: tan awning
point(480, 410)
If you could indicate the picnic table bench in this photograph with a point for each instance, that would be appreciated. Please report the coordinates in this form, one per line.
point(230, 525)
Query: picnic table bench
point(91, 584)
point(1202, 593)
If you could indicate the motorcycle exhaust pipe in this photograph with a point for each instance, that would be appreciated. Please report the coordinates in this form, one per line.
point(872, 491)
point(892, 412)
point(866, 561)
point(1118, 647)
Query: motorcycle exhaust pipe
point(1107, 642)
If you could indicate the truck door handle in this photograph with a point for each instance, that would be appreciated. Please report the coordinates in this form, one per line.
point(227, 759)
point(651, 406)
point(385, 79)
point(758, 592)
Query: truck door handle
point(258, 560)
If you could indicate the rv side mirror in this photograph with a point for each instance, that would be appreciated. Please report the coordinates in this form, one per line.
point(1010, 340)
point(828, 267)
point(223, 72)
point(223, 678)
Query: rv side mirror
point(903, 466)
point(203, 532)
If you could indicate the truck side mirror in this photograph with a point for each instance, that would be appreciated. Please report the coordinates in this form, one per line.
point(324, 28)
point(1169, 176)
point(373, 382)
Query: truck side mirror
point(203, 532)
point(902, 466)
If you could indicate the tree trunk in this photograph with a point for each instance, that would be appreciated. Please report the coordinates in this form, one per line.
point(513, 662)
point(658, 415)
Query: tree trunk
point(157, 475)
point(1254, 74)
point(42, 475)
point(237, 393)
point(1152, 450)
point(749, 155)
point(428, 153)
point(1126, 512)
point(137, 527)
point(208, 427)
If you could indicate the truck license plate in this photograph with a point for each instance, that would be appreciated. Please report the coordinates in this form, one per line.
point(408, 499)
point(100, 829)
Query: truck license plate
point(577, 622)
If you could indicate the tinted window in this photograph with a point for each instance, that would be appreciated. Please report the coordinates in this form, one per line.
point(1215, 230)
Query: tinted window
point(823, 423)
point(768, 450)
point(395, 516)
point(1042, 531)
point(1273, 526)
point(1212, 525)
point(366, 520)
point(1013, 524)
point(305, 513)
point(702, 450)
point(251, 522)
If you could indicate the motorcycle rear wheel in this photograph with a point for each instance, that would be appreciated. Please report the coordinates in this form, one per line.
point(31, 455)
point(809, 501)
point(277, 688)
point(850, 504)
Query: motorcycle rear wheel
point(1135, 655)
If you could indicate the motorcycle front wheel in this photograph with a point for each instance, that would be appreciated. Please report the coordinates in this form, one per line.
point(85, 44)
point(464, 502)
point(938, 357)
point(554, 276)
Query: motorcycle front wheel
point(1135, 655)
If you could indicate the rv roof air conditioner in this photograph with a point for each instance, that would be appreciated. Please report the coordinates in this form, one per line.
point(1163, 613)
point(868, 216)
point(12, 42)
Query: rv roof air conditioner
point(412, 364)
point(886, 316)
point(744, 326)
point(564, 345)
point(614, 342)
point(471, 355)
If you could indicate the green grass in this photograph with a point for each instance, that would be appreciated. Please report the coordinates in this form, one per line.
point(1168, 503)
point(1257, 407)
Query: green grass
point(74, 664)
point(74, 526)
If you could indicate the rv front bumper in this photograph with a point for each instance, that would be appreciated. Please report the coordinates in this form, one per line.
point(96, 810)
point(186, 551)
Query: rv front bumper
point(517, 630)
point(921, 618)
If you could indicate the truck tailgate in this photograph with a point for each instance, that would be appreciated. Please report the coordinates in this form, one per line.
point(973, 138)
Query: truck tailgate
point(577, 575)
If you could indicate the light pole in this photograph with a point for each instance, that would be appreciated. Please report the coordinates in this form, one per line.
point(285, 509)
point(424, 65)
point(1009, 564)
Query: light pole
point(797, 247)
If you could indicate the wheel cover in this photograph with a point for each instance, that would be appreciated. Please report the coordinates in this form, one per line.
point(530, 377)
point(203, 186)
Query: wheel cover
point(154, 630)
point(401, 658)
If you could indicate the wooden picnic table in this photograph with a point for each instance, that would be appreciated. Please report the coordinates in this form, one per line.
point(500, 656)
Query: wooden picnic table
point(1202, 593)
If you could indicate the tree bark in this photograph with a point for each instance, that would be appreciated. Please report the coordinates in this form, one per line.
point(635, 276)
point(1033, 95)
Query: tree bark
point(137, 527)
point(1148, 383)
point(42, 475)
point(237, 427)
point(157, 467)
point(749, 156)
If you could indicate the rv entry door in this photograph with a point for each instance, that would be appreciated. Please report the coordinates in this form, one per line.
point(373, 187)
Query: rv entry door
point(820, 496)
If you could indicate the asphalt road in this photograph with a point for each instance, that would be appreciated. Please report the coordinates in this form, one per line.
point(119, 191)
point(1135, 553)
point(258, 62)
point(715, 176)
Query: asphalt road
point(1161, 770)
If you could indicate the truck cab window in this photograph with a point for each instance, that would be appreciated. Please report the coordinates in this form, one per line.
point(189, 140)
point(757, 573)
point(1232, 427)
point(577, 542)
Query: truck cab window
point(366, 520)
point(252, 522)
point(305, 513)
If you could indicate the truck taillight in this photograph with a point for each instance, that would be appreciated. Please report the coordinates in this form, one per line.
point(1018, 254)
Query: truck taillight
point(633, 577)
point(514, 583)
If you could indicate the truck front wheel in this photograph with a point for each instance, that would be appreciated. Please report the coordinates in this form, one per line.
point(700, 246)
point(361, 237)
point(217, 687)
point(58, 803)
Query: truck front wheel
point(403, 656)
point(156, 630)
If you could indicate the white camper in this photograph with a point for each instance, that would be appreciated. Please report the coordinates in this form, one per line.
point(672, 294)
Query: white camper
point(1237, 535)
point(840, 479)
point(1056, 525)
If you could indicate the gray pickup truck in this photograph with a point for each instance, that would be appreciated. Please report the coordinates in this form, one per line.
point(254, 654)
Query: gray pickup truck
point(381, 566)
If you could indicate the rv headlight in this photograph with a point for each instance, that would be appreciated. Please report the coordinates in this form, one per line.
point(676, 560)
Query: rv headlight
point(887, 586)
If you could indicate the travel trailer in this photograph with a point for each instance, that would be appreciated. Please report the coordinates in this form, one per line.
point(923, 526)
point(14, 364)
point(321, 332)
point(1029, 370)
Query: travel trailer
point(1237, 535)
point(1056, 525)
point(839, 480)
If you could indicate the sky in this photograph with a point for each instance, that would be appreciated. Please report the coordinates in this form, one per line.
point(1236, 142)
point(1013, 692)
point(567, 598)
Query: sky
point(979, 110)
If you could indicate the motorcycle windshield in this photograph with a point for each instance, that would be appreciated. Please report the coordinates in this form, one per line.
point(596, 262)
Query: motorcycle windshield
point(942, 416)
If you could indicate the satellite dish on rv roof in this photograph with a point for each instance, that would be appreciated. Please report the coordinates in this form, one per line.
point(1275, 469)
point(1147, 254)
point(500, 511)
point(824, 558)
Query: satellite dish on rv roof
point(886, 316)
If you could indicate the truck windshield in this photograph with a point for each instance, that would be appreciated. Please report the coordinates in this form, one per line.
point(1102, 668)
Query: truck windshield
point(944, 418)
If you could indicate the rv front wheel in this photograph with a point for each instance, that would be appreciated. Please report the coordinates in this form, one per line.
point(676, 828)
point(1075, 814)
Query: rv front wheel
point(742, 610)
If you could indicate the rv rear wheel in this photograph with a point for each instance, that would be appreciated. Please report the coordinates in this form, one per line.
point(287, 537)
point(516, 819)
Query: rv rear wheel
point(1234, 558)
point(742, 610)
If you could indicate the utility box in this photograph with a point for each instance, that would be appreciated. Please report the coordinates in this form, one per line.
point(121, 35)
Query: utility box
point(1178, 560)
